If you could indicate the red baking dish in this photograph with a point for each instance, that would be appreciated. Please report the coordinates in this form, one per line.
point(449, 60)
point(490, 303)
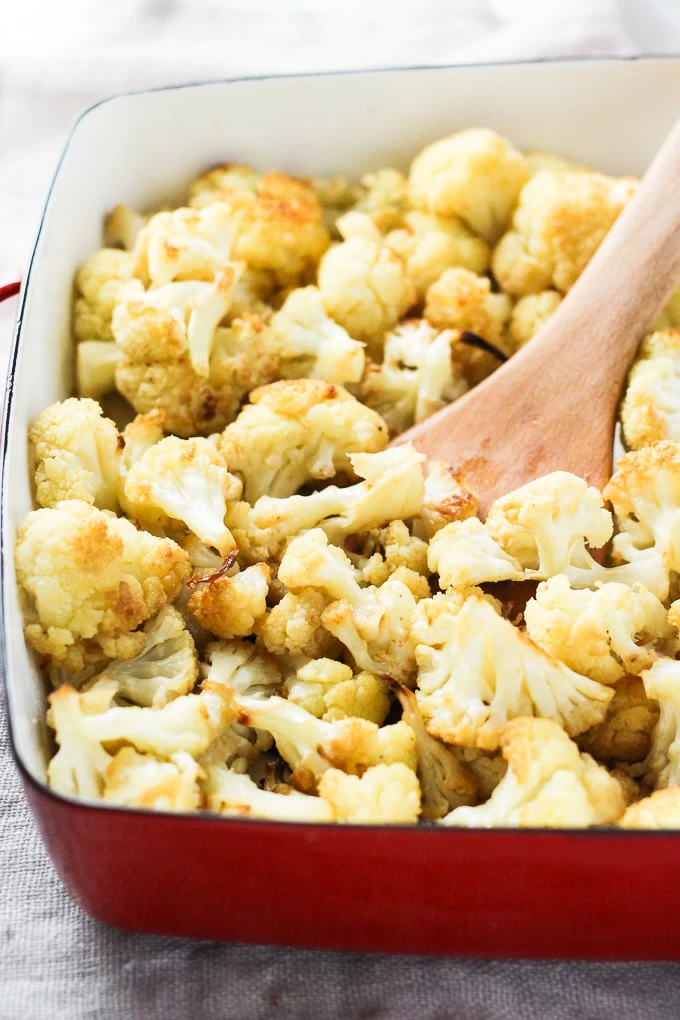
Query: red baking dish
point(603, 894)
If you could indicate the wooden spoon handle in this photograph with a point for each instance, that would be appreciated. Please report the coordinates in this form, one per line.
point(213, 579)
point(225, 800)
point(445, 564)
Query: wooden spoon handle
point(612, 305)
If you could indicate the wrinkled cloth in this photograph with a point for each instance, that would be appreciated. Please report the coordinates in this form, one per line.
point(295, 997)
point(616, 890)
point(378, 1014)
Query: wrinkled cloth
point(56, 963)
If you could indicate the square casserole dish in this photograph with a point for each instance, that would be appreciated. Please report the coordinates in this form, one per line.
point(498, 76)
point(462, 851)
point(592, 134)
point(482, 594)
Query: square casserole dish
point(583, 894)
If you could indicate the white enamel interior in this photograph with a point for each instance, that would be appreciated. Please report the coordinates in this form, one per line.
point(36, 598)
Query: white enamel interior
point(142, 149)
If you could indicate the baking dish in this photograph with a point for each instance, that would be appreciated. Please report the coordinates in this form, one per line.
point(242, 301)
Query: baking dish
point(598, 894)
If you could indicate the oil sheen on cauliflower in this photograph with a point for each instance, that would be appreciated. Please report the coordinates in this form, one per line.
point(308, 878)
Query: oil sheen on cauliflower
point(419, 375)
point(77, 453)
point(476, 671)
point(603, 634)
point(548, 783)
point(557, 227)
point(89, 579)
point(296, 430)
point(473, 174)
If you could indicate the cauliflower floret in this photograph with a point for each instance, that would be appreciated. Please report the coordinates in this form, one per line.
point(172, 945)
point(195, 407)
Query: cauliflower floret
point(336, 195)
point(330, 690)
point(538, 160)
point(77, 453)
point(387, 794)
point(311, 746)
point(392, 490)
point(418, 375)
point(445, 781)
point(229, 606)
point(101, 283)
point(558, 225)
point(140, 780)
point(651, 407)
point(365, 288)
point(294, 627)
point(122, 227)
point(276, 221)
point(243, 667)
point(603, 634)
point(384, 198)
point(230, 793)
point(166, 668)
point(394, 547)
point(446, 499)
point(543, 523)
point(429, 245)
point(660, 811)
point(662, 682)
point(464, 555)
point(477, 671)
point(90, 577)
point(625, 733)
point(530, 314)
point(184, 480)
point(462, 300)
point(473, 174)
point(487, 769)
point(548, 783)
point(184, 244)
point(79, 766)
point(295, 430)
point(175, 320)
point(311, 344)
point(156, 372)
point(373, 623)
point(96, 362)
point(645, 494)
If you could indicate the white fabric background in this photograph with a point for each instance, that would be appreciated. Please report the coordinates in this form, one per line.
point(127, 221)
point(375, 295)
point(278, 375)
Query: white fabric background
point(56, 57)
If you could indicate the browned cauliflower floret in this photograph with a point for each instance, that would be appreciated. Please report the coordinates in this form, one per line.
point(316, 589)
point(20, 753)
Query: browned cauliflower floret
point(460, 299)
point(446, 499)
point(559, 223)
point(548, 783)
point(183, 245)
point(89, 579)
point(651, 407)
point(431, 244)
point(384, 197)
point(660, 811)
point(365, 287)
point(473, 174)
point(229, 606)
point(296, 430)
point(77, 454)
point(625, 733)
point(276, 221)
point(100, 285)
point(388, 794)
point(530, 314)
point(294, 627)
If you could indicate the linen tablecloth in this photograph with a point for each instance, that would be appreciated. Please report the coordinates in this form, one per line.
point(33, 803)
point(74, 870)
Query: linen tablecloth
point(55, 962)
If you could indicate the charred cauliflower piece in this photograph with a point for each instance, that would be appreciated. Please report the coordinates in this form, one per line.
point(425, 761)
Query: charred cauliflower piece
point(229, 606)
point(89, 579)
point(77, 454)
point(475, 175)
point(557, 227)
point(476, 671)
point(296, 430)
point(100, 284)
point(446, 499)
point(548, 783)
point(419, 375)
point(387, 794)
point(651, 408)
point(365, 286)
point(429, 245)
point(184, 480)
point(603, 634)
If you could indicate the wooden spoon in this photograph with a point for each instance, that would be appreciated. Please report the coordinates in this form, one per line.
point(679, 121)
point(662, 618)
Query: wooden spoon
point(554, 405)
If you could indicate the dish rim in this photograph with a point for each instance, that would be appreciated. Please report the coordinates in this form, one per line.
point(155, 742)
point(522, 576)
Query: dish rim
point(42, 788)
